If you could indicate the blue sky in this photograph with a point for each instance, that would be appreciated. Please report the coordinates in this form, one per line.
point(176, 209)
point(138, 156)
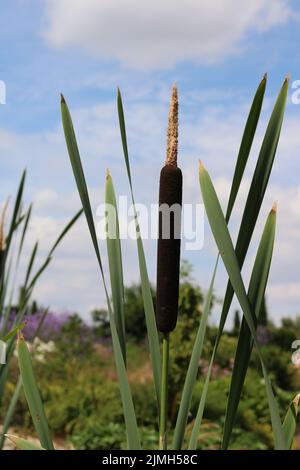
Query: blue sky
point(216, 52)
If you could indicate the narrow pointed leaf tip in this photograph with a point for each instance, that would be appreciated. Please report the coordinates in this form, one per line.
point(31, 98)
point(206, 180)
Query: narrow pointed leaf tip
point(22, 444)
point(20, 336)
point(274, 207)
point(62, 99)
point(201, 167)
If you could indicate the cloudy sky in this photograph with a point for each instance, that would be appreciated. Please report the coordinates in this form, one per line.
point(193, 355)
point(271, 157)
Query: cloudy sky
point(216, 52)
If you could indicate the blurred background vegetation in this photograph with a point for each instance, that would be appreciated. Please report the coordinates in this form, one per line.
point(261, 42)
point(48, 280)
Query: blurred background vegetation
point(75, 369)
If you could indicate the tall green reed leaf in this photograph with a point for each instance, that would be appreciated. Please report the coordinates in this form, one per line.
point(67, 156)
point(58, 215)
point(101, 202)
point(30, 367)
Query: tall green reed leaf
point(191, 375)
point(254, 201)
point(17, 219)
point(246, 144)
point(257, 191)
point(115, 260)
point(31, 263)
point(257, 286)
point(8, 240)
point(55, 245)
point(32, 395)
point(16, 211)
point(290, 421)
point(10, 412)
point(26, 292)
point(4, 288)
point(126, 397)
point(64, 232)
point(13, 402)
point(24, 231)
point(242, 158)
point(224, 243)
point(153, 339)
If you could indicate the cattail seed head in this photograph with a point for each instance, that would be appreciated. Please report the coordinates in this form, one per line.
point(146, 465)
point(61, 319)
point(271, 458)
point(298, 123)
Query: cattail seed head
point(168, 248)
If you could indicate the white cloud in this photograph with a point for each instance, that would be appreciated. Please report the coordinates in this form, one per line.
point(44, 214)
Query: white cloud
point(158, 34)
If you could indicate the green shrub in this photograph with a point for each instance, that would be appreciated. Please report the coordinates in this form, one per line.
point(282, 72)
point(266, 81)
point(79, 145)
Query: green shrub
point(279, 364)
point(95, 436)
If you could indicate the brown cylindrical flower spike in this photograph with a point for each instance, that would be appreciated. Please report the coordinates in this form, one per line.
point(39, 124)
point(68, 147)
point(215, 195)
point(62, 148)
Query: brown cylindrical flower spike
point(169, 234)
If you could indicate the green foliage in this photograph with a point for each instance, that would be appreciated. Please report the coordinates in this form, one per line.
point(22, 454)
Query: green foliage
point(225, 353)
point(95, 436)
point(76, 340)
point(252, 428)
point(145, 403)
point(82, 399)
point(134, 312)
point(135, 322)
point(100, 321)
point(287, 333)
point(112, 437)
point(279, 365)
point(72, 409)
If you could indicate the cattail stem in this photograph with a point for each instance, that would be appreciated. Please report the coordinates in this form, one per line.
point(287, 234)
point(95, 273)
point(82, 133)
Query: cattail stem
point(163, 441)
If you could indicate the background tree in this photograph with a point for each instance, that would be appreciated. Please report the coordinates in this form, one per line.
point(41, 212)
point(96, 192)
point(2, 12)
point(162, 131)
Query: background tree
point(263, 318)
point(100, 322)
point(236, 323)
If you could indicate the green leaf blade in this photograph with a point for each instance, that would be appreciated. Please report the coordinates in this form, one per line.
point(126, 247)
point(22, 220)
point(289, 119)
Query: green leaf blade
point(242, 159)
point(257, 189)
point(32, 395)
point(290, 421)
point(115, 260)
point(152, 333)
point(225, 246)
point(191, 375)
point(257, 287)
point(126, 397)
point(246, 144)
